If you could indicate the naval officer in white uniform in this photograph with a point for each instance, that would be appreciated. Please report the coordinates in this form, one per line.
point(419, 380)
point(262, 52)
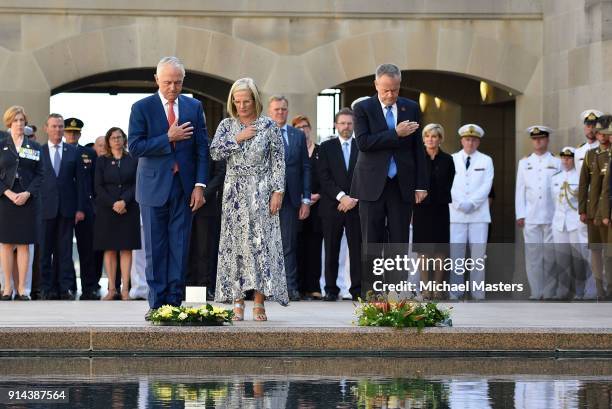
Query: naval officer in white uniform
point(571, 254)
point(469, 210)
point(534, 211)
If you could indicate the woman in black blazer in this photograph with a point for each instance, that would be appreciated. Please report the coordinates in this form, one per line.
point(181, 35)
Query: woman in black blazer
point(117, 224)
point(21, 173)
point(431, 219)
point(310, 233)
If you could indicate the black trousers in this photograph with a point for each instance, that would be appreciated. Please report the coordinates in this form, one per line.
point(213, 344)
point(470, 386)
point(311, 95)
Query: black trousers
point(333, 227)
point(204, 251)
point(386, 220)
point(84, 232)
point(309, 244)
point(56, 266)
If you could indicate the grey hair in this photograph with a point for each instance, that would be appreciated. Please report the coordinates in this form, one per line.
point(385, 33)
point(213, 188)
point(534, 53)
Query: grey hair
point(173, 61)
point(391, 70)
point(278, 98)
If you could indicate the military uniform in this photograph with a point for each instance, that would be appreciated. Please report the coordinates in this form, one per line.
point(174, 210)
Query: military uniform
point(84, 230)
point(469, 210)
point(534, 204)
point(571, 254)
point(604, 288)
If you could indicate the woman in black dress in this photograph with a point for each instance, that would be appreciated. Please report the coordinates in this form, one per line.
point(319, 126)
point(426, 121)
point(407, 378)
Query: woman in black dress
point(21, 173)
point(431, 219)
point(310, 234)
point(117, 225)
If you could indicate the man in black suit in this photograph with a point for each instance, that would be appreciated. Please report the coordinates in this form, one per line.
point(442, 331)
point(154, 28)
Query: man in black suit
point(390, 174)
point(205, 232)
point(338, 209)
point(84, 230)
point(63, 196)
point(296, 200)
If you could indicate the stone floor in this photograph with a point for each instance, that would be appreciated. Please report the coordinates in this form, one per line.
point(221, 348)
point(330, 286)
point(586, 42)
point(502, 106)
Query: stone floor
point(307, 327)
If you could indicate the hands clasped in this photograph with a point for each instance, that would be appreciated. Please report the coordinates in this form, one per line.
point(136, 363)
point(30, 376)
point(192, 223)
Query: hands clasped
point(406, 128)
point(177, 133)
point(466, 207)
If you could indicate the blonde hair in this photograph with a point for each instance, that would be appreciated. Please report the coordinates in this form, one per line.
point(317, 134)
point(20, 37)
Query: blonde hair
point(244, 84)
point(435, 128)
point(11, 113)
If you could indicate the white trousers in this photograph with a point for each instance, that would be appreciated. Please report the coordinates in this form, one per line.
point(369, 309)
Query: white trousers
point(571, 259)
point(460, 235)
point(539, 260)
point(344, 269)
point(139, 289)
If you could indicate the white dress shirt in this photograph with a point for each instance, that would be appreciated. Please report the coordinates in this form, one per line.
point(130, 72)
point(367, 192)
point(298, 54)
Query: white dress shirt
point(533, 201)
point(52, 151)
point(350, 142)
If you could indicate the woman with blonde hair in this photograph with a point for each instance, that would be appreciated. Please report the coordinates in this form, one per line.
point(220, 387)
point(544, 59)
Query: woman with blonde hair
point(21, 174)
point(250, 249)
point(431, 219)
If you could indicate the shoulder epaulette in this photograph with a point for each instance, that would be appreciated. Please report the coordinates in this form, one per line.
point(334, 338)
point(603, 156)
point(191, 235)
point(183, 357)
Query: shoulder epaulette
point(581, 145)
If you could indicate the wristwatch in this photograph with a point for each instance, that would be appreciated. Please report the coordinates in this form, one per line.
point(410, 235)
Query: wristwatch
point(306, 201)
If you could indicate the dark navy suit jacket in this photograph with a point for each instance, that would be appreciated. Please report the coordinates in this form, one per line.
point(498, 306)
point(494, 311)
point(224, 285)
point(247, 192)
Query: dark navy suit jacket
point(148, 141)
point(376, 145)
point(63, 195)
point(297, 167)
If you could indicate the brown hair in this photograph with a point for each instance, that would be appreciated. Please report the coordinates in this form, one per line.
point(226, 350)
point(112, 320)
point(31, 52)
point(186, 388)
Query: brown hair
point(300, 118)
point(107, 140)
point(11, 113)
point(343, 111)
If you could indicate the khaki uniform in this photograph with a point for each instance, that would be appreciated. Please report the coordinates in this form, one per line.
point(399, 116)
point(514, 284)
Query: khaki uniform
point(589, 191)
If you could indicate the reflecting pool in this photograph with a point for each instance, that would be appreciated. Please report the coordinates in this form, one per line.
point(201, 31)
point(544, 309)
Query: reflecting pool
point(179, 382)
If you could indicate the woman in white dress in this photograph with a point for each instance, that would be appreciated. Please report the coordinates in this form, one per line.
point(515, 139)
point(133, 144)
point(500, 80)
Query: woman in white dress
point(250, 250)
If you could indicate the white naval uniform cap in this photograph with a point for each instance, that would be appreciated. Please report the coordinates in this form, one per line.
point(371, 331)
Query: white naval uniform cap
point(590, 115)
point(568, 151)
point(471, 130)
point(537, 131)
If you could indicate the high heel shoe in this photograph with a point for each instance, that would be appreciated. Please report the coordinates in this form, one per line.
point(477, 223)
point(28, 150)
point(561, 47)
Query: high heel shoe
point(110, 296)
point(261, 314)
point(6, 297)
point(238, 311)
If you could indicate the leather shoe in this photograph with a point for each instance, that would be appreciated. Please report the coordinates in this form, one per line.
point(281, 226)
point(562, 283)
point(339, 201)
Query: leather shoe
point(7, 297)
point(20, 297)
point(89, 296)
point(148, 315)
point(294, 296)
point(210, 295)
point(67, 296)
point(48, 296)
point(330, 297)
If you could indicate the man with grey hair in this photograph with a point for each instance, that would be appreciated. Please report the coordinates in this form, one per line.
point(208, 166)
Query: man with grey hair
point(167, 133)
point(296, 200)
point(390, 174)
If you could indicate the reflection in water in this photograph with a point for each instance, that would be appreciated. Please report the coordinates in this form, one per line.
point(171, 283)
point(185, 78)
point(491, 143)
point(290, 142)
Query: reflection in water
point(130, 383)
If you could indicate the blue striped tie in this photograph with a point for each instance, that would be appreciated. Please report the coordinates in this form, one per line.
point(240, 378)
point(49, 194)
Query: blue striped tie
point(391, 124)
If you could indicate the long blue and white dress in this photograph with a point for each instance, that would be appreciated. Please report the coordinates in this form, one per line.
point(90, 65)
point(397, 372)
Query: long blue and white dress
point(250, 249)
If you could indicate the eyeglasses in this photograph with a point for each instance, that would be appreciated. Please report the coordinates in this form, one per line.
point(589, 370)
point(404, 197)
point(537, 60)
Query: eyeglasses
point(302, 127)
point(116, 138)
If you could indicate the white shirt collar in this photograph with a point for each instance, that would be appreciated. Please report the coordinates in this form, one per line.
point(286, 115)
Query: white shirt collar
point(165, 101)
point(464, 155)
point(342, 140)
point(52, 145)
point(384, 107)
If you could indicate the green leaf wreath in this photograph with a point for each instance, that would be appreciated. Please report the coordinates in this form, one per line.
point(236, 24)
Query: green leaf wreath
point(202, 315)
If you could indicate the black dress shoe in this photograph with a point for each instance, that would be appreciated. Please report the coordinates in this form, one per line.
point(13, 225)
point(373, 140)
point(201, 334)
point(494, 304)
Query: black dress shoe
point(210, 295)
point(330, 297)
point(294, 296)
point(90, 295)
point(7, 297)
point(148, 315)
point(20, 297)
point(67, 296)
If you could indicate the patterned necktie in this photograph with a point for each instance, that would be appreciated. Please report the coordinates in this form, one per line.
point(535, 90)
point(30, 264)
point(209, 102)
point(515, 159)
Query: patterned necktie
point(391, 125)
point(346, 153)
point(467, 163)
point(171, 119)
point(57, 160)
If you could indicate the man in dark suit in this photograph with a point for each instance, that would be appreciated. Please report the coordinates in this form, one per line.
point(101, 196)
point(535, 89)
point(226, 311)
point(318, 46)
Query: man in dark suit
point(167, 133)
point(296, 200)
point(204, 245)
point(63, 197)
point(338, 209)
point(83, 230)
point(390, 174)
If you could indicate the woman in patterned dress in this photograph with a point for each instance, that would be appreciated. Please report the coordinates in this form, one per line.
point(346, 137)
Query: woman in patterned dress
point(250, 250)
